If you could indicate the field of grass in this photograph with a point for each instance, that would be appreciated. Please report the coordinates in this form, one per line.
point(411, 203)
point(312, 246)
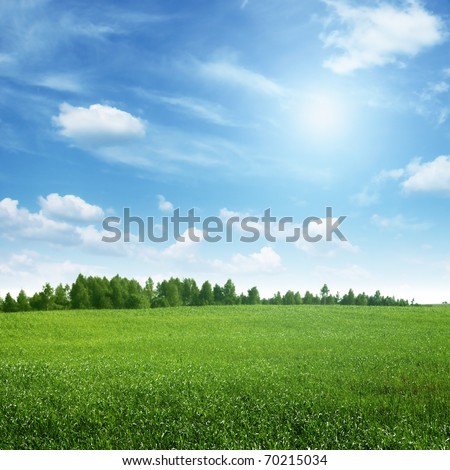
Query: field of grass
point(250, 377)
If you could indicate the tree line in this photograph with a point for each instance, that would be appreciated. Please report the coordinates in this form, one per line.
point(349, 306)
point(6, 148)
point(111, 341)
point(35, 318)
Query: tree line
point(93, 292)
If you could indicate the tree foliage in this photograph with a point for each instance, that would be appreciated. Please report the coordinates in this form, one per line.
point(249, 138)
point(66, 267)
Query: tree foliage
point(95, 292)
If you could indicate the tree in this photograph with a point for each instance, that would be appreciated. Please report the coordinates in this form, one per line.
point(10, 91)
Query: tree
point(218, 294)
point(149, 290)
point(62, 297)
point(119, 292)
point(79, 294)
point(349, 298)
point(376, 299)
point(253, 297)
point(22, 302)
point(172, 294)
point(9, 304)
point(324, 293)
point(362, 299)
point(309, 298)
point(47, 297)
point(289, 298)
point(276, 299)
point(298, 298)
point(136, 297)
point(189, 292)
point(229, 293)
point(99, 292)
point(206, 296)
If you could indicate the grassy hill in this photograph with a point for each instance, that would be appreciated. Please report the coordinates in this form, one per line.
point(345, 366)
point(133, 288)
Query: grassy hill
point(242, 377)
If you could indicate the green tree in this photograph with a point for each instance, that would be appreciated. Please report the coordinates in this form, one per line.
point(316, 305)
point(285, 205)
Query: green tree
point(99, 292)
point(172, 293)
point(137, 298)
point(298, 298)
point(361, 299)
point(349, 298)
point(289, 298)
point(149, 290)
point(376, 299)
point(309, 298)
point(47, 297)
point(253, 297)
point(9, 304)
point(189, 292)
point(23, 303)
point(277, 299)
point(62, 297)
point(119, 292)
point(79, 294)
point(229, 293)
point(206, 296)
point(324, 292)
point(218, 294)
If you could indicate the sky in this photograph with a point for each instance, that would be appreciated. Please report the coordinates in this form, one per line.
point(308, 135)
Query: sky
point(228, 108)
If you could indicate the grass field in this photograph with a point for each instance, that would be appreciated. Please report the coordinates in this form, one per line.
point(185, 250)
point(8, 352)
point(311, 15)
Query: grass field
point(254, 377)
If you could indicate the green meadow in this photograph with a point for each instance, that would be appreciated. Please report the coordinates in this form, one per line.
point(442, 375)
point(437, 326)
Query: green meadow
point(239, 377)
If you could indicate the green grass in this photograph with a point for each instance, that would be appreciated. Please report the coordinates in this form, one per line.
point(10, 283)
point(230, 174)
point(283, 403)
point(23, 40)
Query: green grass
point(262, 377)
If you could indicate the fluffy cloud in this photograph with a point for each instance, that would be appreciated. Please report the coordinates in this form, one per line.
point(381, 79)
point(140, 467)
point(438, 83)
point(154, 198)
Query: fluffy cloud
point(164, 205)
point(19, 222)
point(69, 207)
point(266, 260)
point(184, 248)
point(416, 177)
point(30, 271)
point(54, 222)
point(431, 176)
point(378, 35)
point(98, 126)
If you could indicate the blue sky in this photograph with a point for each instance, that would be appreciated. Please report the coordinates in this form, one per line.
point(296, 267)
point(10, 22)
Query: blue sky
point(229, 108)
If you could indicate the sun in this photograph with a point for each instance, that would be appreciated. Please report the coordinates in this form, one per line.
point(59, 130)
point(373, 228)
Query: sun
point(323, 115)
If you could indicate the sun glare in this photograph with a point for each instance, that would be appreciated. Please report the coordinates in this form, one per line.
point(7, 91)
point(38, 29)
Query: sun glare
point(323, 116)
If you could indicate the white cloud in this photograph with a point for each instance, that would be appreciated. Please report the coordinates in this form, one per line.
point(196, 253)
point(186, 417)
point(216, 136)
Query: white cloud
point(347, 273)
point(397, 222)
point(226, 214)
point(69, 207)
point(379, 35)
point(198, 108)
point(390, 174)
point(164, 205)
point(61, 82)
point(267, 260)
point(431, 176)
point(183, 249)
point(5, 58)
point(30, 271)
point(232, 74)
point(440, 87)
point(52, 223)
point(371, 193)
point(431, 104)
point(99, 125)
point(443, 115)
point(18, 222)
